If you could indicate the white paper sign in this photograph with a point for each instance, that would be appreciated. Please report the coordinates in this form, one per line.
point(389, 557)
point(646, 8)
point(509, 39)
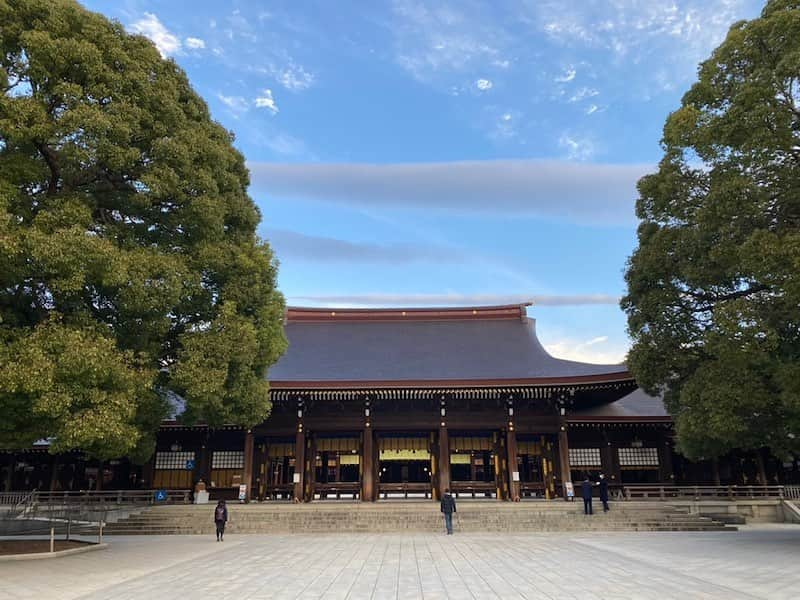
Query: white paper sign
point(296, 478)
point(515, 476)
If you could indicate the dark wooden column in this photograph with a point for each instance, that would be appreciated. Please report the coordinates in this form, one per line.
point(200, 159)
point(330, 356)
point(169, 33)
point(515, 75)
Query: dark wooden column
point(368, 466)
point(443, 461)
point(12, 462)
point(563, 457)
point(54, 472)
point(247, 475)
point(98, 484)
point(148, 472)
point(299, 464)
point(311, 467)
point(513, 468)
point(665, 462)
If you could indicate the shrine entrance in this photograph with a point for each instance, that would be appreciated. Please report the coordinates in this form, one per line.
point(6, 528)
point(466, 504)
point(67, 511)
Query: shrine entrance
point(535, 464)
point(405, 466)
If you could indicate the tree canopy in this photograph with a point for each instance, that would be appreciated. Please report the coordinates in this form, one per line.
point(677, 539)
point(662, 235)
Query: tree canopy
point(130, 268)
point(713, 298)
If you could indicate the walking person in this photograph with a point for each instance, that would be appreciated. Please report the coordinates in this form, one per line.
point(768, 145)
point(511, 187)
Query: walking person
point(586, 489)
point(603, 483)
point(448, 507)
point(220, 518)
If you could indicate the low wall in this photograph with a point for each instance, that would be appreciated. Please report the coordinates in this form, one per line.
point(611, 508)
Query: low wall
point(755, 511)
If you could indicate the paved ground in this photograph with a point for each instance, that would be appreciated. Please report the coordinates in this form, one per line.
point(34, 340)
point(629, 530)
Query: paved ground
point(757, 562)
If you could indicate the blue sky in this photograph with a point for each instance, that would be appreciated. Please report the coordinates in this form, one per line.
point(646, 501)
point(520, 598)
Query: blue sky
point(410, 153)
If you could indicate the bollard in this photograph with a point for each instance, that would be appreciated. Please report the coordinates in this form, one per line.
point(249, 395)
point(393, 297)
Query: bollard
point(52, 539)
point(100, 534)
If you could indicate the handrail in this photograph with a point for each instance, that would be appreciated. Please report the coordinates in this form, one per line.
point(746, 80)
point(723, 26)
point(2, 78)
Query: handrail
point(730, 492)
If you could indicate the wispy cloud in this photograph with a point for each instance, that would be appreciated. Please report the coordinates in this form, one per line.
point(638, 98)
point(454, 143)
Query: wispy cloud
point(484, 84)
point(577, 192)
point(300, 246)
point(430, 39)
point(195, 43)
point(151, 27)
point(568, 76)
point(458, 300)
point(583, 93)
point(266, 100)
point(577, 148)
point(596, 350)
point(236, 104)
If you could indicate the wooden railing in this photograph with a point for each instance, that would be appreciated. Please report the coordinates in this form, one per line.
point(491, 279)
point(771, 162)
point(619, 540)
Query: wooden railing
point(337, 489)
point(481, 488)
point(702, 492)
point(405, 489)
point(791, 492)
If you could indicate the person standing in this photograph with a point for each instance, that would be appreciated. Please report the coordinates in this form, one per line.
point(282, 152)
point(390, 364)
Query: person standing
point(586, 489)
point(220, 518)
point(448, 507)
point(603, 483)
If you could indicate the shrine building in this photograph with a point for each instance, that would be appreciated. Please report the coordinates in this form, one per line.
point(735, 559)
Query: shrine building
point(386, 403)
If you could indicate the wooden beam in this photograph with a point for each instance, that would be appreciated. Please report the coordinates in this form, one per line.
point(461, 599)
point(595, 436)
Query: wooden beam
point(563, 459)
point(368, 466)
point(443, 462)
point(299, 465)
point(247, 475)
point(513, 468)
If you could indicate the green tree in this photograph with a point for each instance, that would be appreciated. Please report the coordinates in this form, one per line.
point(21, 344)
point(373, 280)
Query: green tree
point(713, 299)
point(129, 262)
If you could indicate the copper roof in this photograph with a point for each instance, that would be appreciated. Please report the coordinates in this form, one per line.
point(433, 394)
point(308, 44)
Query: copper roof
point(492, 345)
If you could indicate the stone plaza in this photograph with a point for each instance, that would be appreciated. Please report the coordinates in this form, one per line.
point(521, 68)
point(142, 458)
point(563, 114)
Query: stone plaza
point(756, 562)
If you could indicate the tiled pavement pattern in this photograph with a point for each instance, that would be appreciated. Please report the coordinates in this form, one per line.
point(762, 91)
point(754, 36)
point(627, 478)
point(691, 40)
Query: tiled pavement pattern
point(757, 562)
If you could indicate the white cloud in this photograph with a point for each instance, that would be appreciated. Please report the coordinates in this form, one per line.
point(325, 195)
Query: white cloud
point(577, 148)
point(434, 40)
point(591, 109)
point(484, 84)
point(285, 144)
point(149, 26)
point(453, 299)
point(568, 75)
point(583, 93)
point(565, 191)
point(195, 43)
point(266, 100)
point(295, 78)
point(236, 104)
point(596, 350)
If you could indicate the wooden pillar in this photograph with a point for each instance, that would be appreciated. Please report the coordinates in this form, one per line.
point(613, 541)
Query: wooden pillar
point(54, 473)
point(12, 462)
point(762, 471)
point(444, 459)
point(563, 458)
point(665, 463)
point(98, 485)
point(368, 466)
point(247, 475)
point(148, 472)
point(513, 468)
point(299, 464)
point(311, 467)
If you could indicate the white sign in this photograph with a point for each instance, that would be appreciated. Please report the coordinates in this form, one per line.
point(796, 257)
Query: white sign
point(296, 478)
point(242, 491)
point(515, 476)
point(569, 489)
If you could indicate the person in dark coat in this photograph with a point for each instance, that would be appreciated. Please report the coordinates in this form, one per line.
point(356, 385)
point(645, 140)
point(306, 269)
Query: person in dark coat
point(220, 518)
point(586, 488)
point(448, 507)
point(603, 483)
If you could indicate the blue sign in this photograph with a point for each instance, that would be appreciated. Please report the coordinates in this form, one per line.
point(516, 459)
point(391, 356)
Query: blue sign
point(190, 464)
point(161, 495)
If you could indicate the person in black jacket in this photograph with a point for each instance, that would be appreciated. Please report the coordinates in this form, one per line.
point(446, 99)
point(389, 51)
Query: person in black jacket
point(586, 488)
point(603, 483)
point(220, 518)
point(448, 507)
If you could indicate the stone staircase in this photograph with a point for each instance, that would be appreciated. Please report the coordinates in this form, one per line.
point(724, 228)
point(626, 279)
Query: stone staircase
point(402, 517)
